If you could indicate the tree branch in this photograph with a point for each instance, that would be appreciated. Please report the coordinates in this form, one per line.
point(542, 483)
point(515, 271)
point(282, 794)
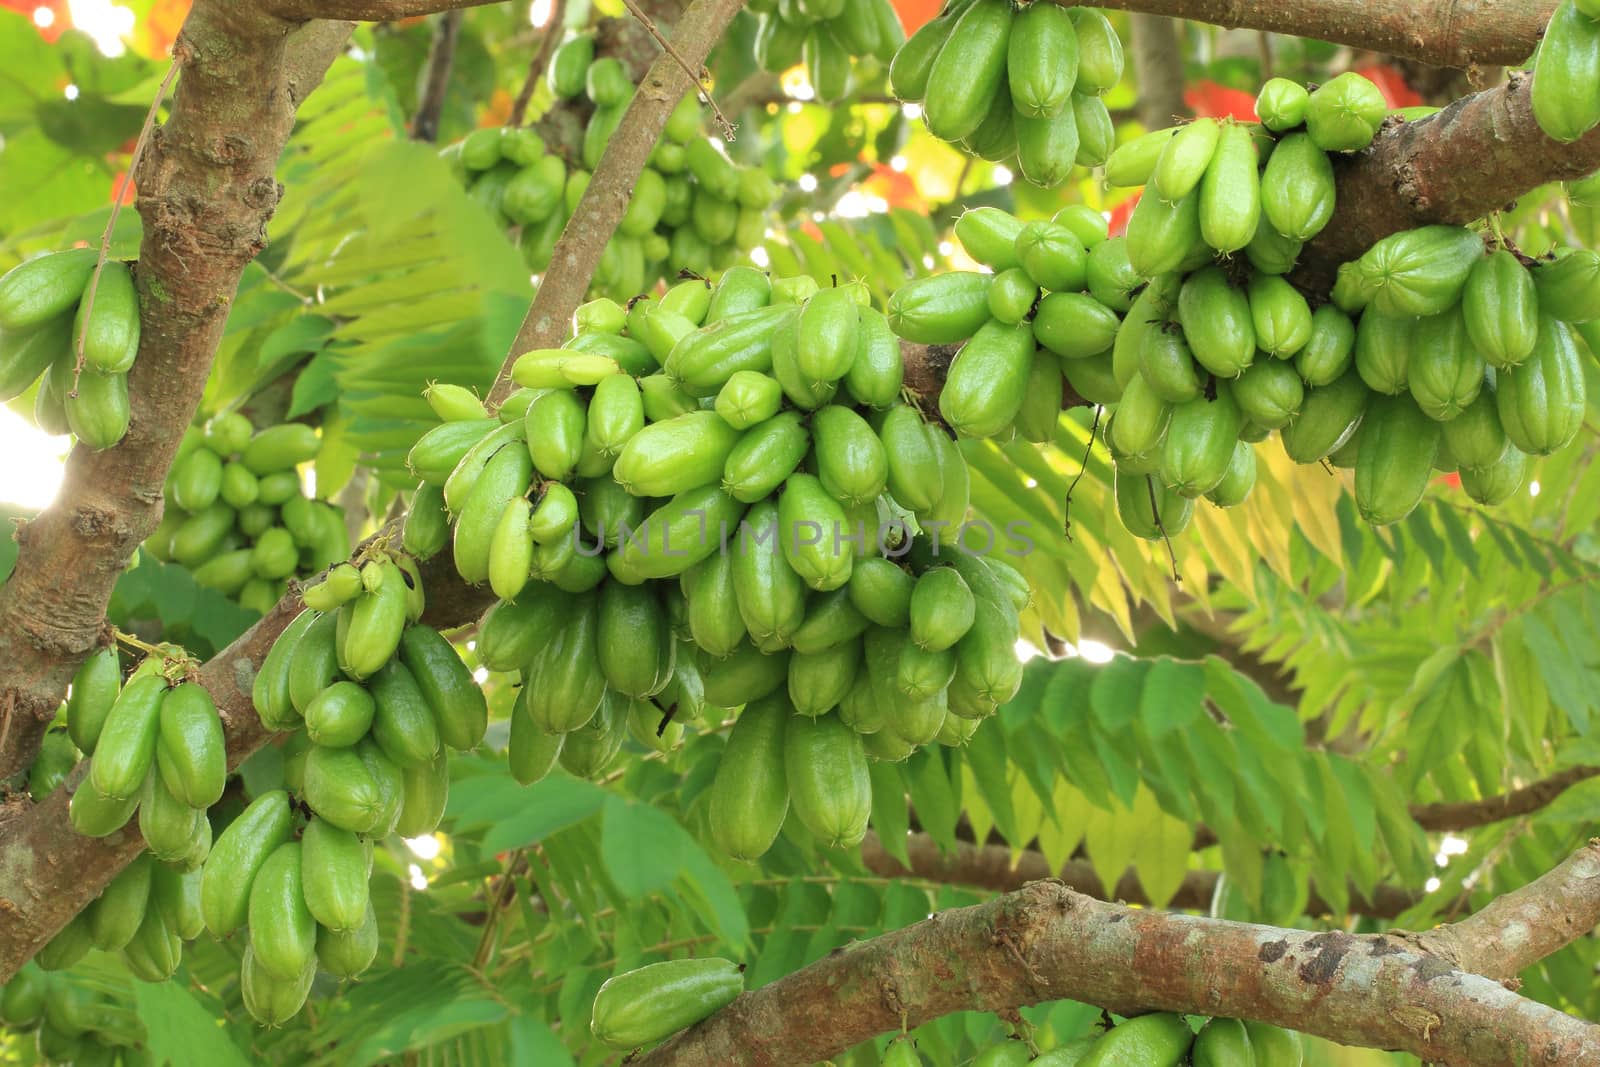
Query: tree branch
point(584, 237)
point(1046, 942)
point(1470, 814)
point(364, 10)
point(441, 58)
point(991, 867)
point(206, 191)
point(1445, 33)
point(1158, 66)
point(541, 61)
point(1473, 158)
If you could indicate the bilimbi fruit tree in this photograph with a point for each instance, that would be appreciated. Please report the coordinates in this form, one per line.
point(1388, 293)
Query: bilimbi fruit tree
point(780, 532)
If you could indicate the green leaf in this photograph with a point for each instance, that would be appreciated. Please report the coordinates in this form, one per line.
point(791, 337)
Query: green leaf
point(1108, 837)
point(518, 816)
point(1160, 850)
point(985, 754)
point(933, 797)
point(180, 1030)
point(643, 847)
point(889, 815)
point(1172, 697)
point(1115, 693)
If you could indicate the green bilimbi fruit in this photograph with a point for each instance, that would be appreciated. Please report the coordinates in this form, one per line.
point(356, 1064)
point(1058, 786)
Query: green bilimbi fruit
point(1280, 315)
point(671, 457)
point(1330, 349)
point(849, 457)
point(636, 649)
point(1297, 188)
point(127, 744)
point(1167, 366)
point(1042, 60)
point(1270, 252)
point(941, 609)
point(770, 593)
point(1496, 483)
point(969, 70)
point(1501, 308)
point(511, 549)
point(1223, 1043)
point(615, 414)
point(1343, 115)
point(1236, 485)
point(825, 768)
point(191, 752)
point(818, 681)
point(334, 876)
point(1566, 71)
point(94, 692)
point(283, 933)
point(1217, 322)
point(1132, 164)
point(458, 704)
point(1163, 236)
point(1569, 286)
point(1048, 148)
point(118, 912)
point(1140, 422)
point(1184, 159)
point(1012, 295)
point(1159, 1040)
point(1475, 437)
point(1281, 104)
point(109, 330)
point(643, 1006)
point(941, 308)
point(1395, 460)
point(1230, 191)
point(1446, 370)
point(1199, 443)
point(1097, 136)
point(748, 398)
point(1099, 51)
point(989, 236)
point(1327, 419)
point(1053, 256)
point(881, 590)
point(813, 526)
point(750, 794)
point(1383, 351)
point(1074, 325)
point(1269, 393)
point(236, 858)
point(765, 456)
point(877, 372)
point(988, 381)
point(42, 288)
point(1421, 271)
point(826, 342)
point(1542, 400)
point(1274, 1045)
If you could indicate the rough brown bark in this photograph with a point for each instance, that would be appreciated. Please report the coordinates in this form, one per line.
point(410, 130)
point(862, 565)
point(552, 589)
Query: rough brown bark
point(553, 31)
point(1046, 942)
point(577, 253)
point(1445, 33)
point(364, 10)
point(1469, 814)
point(992, 867)
point(206, 191)
point(1474, 157)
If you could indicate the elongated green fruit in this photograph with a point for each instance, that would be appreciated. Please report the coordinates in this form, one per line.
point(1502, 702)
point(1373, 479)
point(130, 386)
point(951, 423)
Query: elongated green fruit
point(457, 702)
point(645, 1005)
point(750, 795)
point(237, 856)
point(127, 745)
point(1146, 1041)
point(283, 934)
point(191, 752)
point(94, 691)
point(334, 875)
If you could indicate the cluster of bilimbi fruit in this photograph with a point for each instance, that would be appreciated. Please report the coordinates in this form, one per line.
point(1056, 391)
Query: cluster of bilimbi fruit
point(157, 749)
point(644, 1006)
point(691, 206)
point(1013, 85)
point(712, 500)
point(1433, 353)
point(76, 1019)
point(373, 700)
point(47, 320)
point(236, 513)
point(827, 36)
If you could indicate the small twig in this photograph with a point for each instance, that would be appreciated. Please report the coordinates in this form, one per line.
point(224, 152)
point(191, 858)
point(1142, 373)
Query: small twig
point(116, 209)
point(541, 61)
point(724, 127)
point(441, 58)
point(1088, 450)
point(1155, 510)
